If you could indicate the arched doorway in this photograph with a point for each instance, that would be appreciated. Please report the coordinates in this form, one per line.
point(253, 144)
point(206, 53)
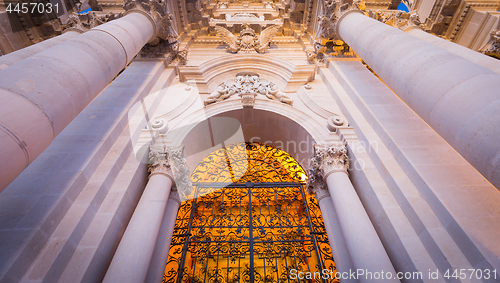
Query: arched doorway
point(249, 220)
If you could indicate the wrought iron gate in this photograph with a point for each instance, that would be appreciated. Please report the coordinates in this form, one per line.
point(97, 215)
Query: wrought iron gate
point(248, 232)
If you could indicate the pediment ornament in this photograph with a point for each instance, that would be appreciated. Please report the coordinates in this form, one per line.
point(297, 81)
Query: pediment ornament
point(247, 85)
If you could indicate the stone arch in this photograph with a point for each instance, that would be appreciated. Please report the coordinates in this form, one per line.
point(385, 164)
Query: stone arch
point(269, 122)
point(211, 73)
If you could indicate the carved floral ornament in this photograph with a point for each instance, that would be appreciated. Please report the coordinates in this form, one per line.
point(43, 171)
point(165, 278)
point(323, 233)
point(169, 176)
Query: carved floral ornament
point(247, 85)
point(327, 159)
point(172, 163)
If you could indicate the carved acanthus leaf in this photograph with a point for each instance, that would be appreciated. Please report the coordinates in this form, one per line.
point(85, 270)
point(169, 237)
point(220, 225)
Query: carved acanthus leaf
point(84, 22)
point(247, 84)
point(181, 172)
point(329, 158)
point(158, 162)
point(398, 19)
point(333, 10)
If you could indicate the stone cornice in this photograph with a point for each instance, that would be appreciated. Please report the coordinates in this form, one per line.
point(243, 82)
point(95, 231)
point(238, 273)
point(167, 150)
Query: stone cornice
point(156, 11)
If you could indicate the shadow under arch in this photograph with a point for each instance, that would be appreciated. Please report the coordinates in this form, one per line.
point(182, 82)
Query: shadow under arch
point(272, 123)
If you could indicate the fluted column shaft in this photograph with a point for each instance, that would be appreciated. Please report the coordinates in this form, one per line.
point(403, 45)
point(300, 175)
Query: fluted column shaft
point(329, 164)
point(341, 255)
point(133, 255)
point(459, 99)
point(469, 54)
point(16, 56)
point(162, 247)
point(42, 94)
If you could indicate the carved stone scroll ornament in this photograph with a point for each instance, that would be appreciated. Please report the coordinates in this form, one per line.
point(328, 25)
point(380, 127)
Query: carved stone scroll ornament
point(84, 22)
point(157, 11)
point(247, 41)
point(247, 85)
point(398, 19)
point(333, 12)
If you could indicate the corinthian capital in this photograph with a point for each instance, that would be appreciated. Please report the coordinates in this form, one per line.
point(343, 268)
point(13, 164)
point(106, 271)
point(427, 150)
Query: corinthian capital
point(333, 12)
point(329, 158)
point(398, 19)
point(84, 22)
point(158, 163)
point(156, 10)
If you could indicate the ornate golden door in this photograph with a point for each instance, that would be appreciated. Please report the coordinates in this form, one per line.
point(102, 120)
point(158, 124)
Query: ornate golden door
point(249, 220)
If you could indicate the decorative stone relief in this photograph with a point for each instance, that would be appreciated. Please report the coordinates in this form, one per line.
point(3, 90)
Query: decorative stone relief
point(247, 41)
point(84, 22)
point(398, 19)
point(157, 10)
point(247, 85)
point(493, 46)
point(327, 159)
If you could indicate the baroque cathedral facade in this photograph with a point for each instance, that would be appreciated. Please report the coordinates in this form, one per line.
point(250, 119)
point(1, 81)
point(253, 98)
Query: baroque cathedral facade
point(250, 141)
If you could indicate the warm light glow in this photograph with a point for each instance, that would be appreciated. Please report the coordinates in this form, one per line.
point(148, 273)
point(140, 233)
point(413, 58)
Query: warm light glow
point(255, 229)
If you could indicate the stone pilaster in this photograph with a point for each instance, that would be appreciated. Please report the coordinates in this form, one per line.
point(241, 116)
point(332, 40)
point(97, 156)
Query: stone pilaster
point(156, 11)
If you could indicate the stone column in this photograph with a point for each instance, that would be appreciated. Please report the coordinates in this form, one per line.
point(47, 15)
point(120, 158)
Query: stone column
point(410, 23)
point(162, 247)
point(21, 54)
point(42, 94)
point(457, 98)
point(364, 246)
point(343, 261)
point(135, 251)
